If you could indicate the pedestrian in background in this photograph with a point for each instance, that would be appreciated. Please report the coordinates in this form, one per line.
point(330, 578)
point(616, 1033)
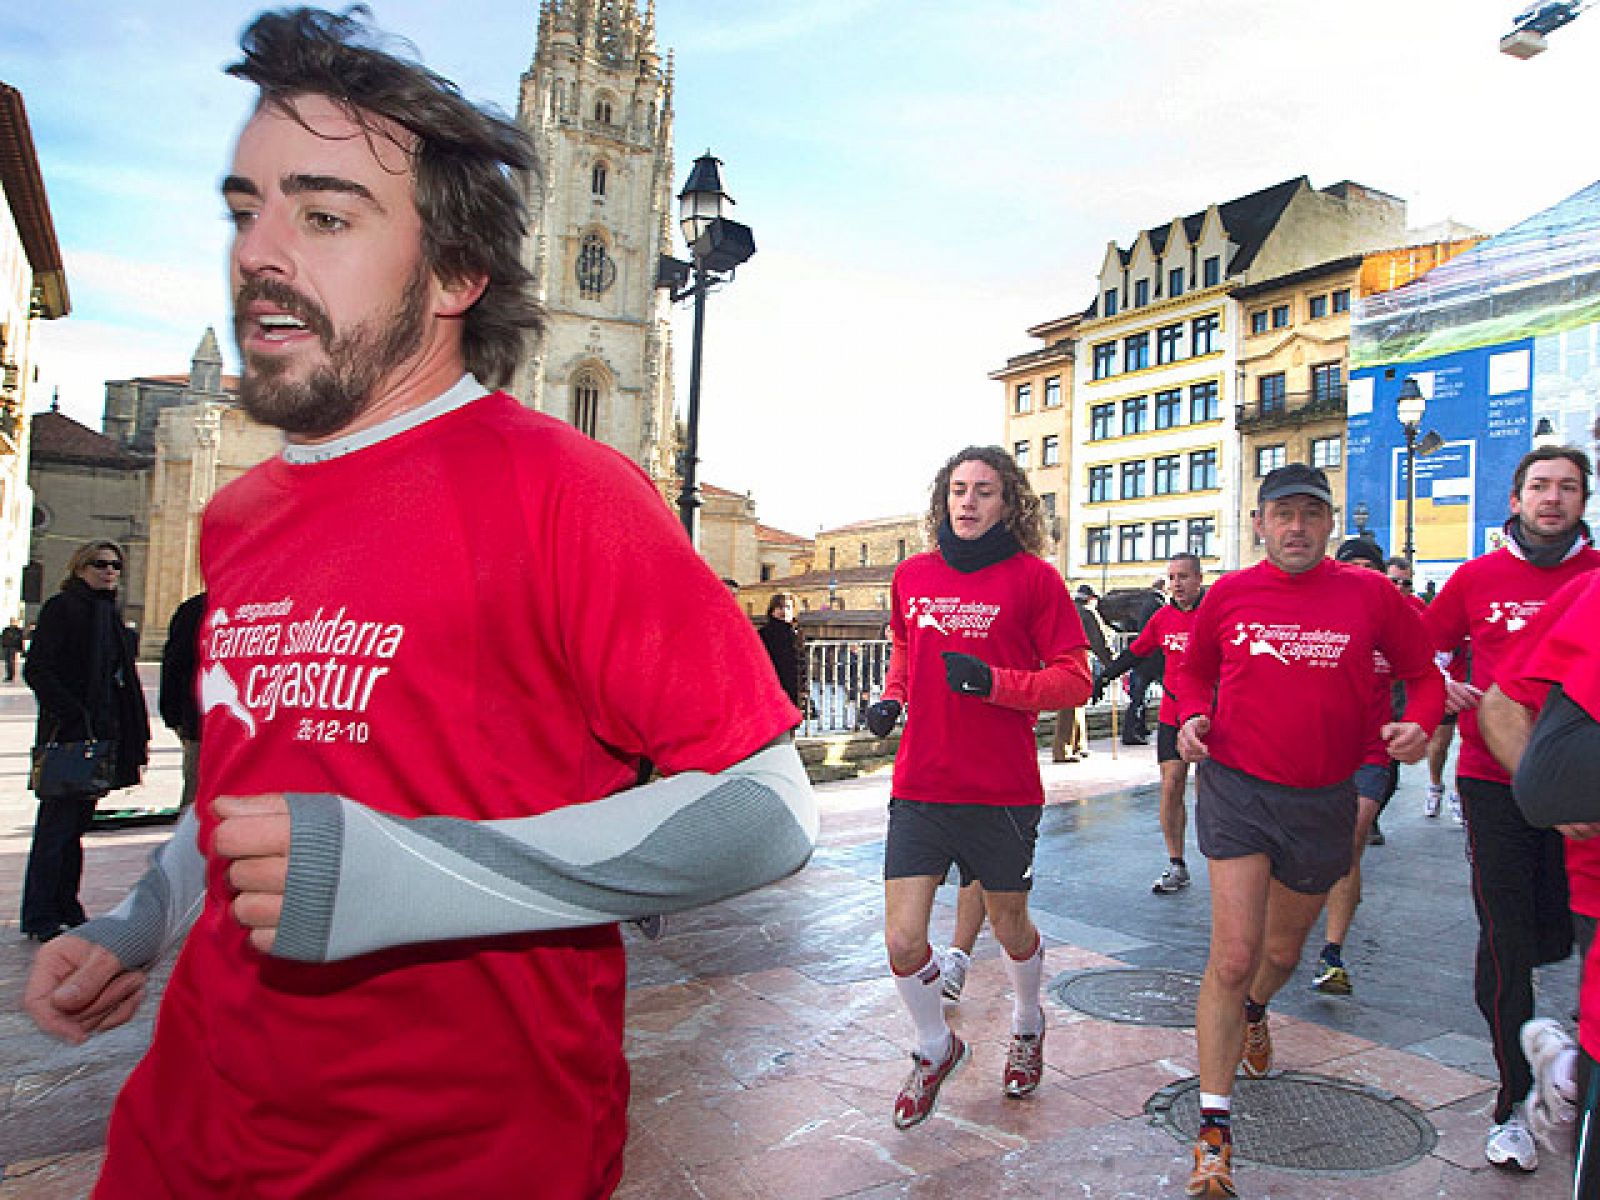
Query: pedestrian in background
point(11, 646)
point(82, 671)
point(179, 703)
point(786, 647)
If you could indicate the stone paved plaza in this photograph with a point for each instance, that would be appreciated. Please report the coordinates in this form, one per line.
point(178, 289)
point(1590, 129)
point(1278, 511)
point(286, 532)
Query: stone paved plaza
point(767, 1042)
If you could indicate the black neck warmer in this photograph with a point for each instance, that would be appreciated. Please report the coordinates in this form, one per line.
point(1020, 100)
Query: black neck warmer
point(1545, 554)
point(968, 556)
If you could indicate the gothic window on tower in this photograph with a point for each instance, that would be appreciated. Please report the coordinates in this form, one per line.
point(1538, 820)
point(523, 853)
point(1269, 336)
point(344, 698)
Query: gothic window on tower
point(596, 271)
point(602, 110)
point(597, 181)
point(586, 404)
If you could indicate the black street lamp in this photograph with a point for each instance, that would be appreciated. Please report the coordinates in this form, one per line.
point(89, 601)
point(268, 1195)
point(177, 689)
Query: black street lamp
point(1409, 407)
point(716, 246)
point(1361, 514)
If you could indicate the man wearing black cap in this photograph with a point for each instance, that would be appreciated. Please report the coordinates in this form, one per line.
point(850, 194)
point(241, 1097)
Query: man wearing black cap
point(1275, 815)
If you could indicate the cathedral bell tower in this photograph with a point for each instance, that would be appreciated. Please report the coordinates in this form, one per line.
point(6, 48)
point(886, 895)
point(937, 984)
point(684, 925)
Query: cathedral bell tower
point(598, 103)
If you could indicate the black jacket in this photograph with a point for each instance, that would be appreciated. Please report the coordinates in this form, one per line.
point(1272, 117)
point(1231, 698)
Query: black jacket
point(179, 707)
point(787, 650)
point(81, 669)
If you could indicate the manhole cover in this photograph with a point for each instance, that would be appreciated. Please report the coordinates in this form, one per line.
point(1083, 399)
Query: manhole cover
point(1131, 995)
point(1309, 1123)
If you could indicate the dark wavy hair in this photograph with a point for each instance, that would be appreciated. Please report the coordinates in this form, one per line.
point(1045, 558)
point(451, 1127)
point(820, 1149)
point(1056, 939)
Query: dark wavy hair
point(1024, 514)
point(1572, 454)
point(463, 163)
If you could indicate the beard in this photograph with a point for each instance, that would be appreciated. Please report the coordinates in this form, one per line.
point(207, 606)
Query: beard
point(339, 391)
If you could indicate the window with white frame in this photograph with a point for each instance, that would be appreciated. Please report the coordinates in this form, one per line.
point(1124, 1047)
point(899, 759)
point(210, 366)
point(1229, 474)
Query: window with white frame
point(1327, 452)
point(1024, 398)
point(1052, 391)
point(1019, 451)
point(1050, 451)
point(1270, 458)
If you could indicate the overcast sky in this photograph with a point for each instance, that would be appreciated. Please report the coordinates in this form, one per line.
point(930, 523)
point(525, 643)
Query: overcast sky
point(925, 180)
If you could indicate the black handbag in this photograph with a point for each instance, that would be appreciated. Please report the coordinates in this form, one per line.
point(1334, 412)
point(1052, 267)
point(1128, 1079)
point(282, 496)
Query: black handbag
point(87, 768)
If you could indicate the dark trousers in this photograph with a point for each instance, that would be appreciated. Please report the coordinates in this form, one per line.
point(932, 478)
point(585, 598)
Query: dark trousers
point(1139, 682)
point(1519, 888)
point(11, 666)
point(55, 864)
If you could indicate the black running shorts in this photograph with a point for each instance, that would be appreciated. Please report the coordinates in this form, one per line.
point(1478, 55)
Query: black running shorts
point(1306, 833)
point(988, 842)
point(1167, 743)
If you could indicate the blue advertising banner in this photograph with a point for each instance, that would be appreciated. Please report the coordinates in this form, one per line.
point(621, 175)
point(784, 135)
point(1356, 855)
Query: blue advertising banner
point(1478, 405)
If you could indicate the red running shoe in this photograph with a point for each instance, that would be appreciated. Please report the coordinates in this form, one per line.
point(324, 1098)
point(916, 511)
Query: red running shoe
point(915, 1102)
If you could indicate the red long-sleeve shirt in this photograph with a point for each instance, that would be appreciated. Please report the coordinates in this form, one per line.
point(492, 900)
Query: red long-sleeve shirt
point(1017, 617)
point(1493, 600)
point(1283, 664)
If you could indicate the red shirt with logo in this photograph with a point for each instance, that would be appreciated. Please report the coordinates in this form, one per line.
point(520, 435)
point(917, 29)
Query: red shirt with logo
point(1562, 648)
point(1493, 600)
point(486, 616)
point(1168, 632)
point(1283, 664)
point(1017, 616)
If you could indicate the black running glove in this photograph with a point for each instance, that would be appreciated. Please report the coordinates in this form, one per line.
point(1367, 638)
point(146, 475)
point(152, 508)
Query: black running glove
point(882, 717)
point(967, 675)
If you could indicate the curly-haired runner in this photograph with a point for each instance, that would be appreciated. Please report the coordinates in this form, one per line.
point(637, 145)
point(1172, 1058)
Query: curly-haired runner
point(985, 636)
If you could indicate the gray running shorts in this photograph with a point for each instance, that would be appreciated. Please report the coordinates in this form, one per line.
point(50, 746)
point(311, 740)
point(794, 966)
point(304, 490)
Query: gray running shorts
point(991, 843)
point(1372, 781)
point(1304, 832)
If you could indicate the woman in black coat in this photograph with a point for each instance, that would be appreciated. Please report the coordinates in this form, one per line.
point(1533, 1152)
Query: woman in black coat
point(81, 669)
point(787, 649)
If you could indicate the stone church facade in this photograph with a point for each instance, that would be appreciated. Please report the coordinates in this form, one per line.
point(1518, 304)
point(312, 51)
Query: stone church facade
point(597, 101)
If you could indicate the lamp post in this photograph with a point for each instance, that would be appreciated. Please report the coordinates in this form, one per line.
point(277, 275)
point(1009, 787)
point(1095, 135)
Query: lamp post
point(1409, 407)
point(1361, 514)
point(716, 246)
point(1544, 434)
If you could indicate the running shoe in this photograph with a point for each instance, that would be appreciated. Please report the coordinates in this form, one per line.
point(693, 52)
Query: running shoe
point(953, 964)
point(1174, 879)
point(1510, 1145)
point(1375, 835)
point(915, 1102)
point(1024, 1063)
point(1549, 1114)
point(1435, 800)
point(1256, 1062)
point(1331, 978)
point(1455, 809)
point(653, 928)
point(1213, 1166)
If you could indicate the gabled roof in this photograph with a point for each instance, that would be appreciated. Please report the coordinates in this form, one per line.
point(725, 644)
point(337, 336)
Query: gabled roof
point(766, 533)
point(1248, 220)
point(55, 437)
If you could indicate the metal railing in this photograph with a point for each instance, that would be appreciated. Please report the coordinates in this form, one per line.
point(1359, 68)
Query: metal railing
point(845, 677)
point(1290, 406)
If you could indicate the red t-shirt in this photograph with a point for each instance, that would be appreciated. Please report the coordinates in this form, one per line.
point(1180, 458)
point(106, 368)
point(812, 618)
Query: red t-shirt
point(1493, 600)
point(487, 616)
point(1561, 647)
point(1288, 660)
point(1015, 615)
point(1168, 632)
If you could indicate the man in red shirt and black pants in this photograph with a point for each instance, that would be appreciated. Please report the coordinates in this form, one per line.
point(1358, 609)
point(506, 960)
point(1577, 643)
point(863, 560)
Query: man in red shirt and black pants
point(1275, 814)
point(1519, 882)
point(985, 637)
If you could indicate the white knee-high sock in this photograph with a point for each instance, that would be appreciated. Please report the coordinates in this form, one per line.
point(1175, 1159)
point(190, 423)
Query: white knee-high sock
point(1026, 977)
point(919, 991)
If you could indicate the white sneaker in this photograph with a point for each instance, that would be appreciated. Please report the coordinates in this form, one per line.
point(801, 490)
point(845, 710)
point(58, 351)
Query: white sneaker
point(1430, 806)
point(953, 964)
point(1511, 1145)
point(1174, 879)
point(1549, 1114)
point(1455, 809)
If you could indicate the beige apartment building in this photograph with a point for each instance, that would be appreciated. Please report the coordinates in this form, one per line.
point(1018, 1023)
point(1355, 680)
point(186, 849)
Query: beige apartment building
point(1294, 361)
point(1150, 451)
point(1293, 355)
point(33, 287)
point(1038, 389)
